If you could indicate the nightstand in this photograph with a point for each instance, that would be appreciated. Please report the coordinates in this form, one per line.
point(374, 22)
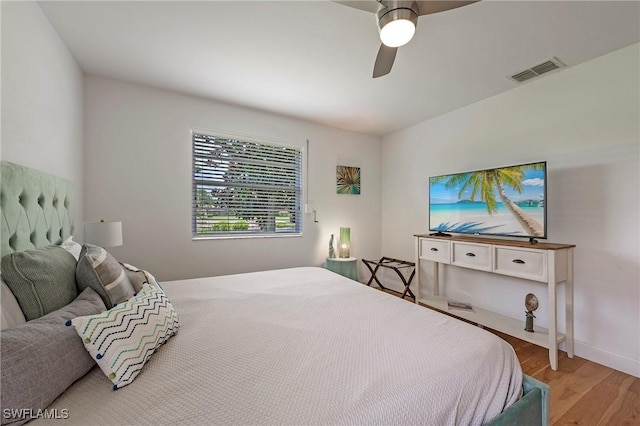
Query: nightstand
point(345, 266)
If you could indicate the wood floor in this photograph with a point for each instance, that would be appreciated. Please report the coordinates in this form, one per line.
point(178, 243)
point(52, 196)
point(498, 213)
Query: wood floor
point(582, 392)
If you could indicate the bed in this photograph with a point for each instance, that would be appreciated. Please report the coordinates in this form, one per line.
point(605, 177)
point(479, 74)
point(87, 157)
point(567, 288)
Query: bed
point(294, 346)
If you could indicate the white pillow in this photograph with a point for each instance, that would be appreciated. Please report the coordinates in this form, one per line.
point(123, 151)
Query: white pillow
point(12, 315)
point(72, 247)
point(122, 339)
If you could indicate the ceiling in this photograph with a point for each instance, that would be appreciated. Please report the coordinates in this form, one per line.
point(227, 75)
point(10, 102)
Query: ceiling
point(313, 59)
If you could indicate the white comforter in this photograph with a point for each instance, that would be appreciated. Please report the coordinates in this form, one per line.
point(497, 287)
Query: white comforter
point(305, 346)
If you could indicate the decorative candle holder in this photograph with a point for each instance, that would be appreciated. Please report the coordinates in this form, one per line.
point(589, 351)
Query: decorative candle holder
point(345, 242)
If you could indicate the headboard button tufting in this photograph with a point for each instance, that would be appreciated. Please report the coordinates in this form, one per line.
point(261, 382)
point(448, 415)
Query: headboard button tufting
point(12, 241)
point(31, 207)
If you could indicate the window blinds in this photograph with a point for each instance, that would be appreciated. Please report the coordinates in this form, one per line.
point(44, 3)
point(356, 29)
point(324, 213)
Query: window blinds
point(244, 187)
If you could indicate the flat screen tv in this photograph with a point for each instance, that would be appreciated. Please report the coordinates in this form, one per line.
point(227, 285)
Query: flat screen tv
point(505, 201)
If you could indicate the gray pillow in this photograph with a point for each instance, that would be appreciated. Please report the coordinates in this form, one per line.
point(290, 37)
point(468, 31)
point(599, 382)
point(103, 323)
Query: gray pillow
point(42, 280)
point(101, 271)
point(10, 312)
point(41, 358)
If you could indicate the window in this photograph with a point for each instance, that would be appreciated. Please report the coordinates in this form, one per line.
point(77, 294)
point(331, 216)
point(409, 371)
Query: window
point(243, 187)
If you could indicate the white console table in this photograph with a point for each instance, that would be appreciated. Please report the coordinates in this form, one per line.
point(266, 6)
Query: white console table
point(543, 262)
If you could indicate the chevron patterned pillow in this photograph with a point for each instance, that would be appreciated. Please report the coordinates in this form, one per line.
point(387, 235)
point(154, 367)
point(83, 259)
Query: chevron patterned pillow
point(122, 339)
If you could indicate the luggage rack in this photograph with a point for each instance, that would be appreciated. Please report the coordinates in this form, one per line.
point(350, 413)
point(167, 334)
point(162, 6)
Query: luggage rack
point(394, 264)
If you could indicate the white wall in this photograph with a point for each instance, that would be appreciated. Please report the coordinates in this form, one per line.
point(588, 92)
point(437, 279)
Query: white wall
point(584, 121)
point(138, 170)
point(42, 98)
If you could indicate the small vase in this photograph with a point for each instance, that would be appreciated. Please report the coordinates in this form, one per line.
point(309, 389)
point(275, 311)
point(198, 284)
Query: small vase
point(332, 251)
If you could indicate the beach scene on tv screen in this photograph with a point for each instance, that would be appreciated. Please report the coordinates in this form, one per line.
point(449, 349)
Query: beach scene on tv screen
point(503, 201)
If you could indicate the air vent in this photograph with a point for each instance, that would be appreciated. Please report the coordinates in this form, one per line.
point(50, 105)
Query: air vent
point(538, 70)
point(524, 76)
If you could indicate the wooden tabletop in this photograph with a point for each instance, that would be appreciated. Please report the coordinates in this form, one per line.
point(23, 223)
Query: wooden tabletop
point(498, 241)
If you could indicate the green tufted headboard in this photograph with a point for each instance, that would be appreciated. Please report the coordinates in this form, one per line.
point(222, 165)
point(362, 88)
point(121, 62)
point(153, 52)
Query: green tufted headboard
point(35, 208)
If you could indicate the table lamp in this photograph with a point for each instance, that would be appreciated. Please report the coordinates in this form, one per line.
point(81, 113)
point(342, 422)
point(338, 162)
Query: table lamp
point(103, 234)
point(345, 242)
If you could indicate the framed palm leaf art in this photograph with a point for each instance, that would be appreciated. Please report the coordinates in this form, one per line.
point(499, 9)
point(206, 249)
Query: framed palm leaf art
point(348, 180)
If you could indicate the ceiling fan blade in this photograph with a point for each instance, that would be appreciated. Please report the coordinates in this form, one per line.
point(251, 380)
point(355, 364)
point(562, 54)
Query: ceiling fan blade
point(429, 7)
point(367, 5)
point(384, 60)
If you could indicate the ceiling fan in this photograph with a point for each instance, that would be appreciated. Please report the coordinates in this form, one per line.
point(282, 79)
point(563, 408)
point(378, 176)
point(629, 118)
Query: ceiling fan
point(397, 21)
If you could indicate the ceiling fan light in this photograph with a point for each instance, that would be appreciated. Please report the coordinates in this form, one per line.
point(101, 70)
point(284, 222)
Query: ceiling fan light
point(397, 33)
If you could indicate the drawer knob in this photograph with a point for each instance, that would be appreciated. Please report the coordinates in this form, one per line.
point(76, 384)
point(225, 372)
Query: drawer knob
point(434, 249)
point(518, 261)
point(471, 254)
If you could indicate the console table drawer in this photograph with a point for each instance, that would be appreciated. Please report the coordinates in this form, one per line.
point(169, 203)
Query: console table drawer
point(523, 263)
point(435, 251)
point(474, 256)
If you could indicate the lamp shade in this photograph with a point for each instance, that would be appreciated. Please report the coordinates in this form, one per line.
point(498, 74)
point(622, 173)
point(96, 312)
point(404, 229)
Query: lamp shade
point(345, 242)
point(103, 234)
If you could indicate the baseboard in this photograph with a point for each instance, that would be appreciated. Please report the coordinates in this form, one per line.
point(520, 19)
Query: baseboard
point(609, 359)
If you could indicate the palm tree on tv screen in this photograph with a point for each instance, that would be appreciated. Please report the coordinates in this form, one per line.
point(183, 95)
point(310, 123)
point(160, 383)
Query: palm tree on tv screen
point(485, 184)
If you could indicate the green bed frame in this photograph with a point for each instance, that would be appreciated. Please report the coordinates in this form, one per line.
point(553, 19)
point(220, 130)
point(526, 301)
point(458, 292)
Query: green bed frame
point(531, 409)
point(36, 210)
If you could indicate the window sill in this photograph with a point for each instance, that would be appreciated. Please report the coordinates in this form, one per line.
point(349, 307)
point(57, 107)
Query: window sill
point(242, 237)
